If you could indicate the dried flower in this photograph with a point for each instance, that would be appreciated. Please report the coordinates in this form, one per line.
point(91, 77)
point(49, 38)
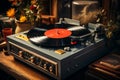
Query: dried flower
point(23, 18)
point(11, 12)
point(25, 10)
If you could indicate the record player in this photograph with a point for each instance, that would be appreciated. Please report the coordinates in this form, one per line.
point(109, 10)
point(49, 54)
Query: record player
point(57, 52)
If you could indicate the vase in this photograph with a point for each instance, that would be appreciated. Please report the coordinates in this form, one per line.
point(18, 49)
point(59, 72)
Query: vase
point(22, 26)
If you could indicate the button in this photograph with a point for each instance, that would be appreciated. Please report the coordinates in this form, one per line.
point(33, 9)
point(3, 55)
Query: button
point(67, 49)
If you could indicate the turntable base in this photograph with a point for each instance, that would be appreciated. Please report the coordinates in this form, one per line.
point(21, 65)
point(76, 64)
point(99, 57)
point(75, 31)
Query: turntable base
point(58, 66)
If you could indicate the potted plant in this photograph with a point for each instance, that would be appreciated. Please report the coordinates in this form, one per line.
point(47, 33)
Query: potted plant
point(25, 12)
point(113, 32)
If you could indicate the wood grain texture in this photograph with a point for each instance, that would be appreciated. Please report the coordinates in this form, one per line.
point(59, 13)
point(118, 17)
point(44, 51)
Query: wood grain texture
point(19, 70)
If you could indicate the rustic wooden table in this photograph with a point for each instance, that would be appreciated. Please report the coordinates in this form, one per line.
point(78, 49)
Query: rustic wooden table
point(19, 70)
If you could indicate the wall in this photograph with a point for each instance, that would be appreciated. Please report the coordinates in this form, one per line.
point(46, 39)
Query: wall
point(4, 6)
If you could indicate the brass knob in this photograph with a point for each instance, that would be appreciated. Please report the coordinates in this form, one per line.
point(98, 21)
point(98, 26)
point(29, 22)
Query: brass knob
point(51, 68)
point(31, 59)
point(20, 53)
point(45, 66)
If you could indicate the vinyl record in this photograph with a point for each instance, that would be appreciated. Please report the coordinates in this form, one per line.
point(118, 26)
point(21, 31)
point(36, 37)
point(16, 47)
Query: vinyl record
point(79, 34)
point(35, 32)
point(39, 40)
point(44, 41)
point(50, 38)
point(78, 31)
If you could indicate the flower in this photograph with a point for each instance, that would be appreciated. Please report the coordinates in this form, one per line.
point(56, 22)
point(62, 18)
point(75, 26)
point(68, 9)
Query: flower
point(23, 19)
point(11, 12)
point(25, 10)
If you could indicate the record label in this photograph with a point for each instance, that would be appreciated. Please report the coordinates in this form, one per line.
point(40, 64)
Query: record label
point(58, 33)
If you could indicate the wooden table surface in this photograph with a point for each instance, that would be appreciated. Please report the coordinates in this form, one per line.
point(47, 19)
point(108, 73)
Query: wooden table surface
point(21, 71)
point(18, 70)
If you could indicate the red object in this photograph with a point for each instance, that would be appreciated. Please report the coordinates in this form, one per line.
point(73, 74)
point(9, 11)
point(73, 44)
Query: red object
point(6, 32)
point(32, 7)
point(58, 33)
point(74, 42)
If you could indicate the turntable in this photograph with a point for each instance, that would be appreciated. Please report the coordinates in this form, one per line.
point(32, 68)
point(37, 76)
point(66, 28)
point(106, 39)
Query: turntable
point(56, 37)
point(57, 52)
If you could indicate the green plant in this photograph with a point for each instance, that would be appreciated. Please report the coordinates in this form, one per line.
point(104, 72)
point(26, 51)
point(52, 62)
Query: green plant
point(25, 10)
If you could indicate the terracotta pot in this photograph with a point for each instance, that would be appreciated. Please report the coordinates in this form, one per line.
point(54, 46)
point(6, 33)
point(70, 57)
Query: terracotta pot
point(6, 32)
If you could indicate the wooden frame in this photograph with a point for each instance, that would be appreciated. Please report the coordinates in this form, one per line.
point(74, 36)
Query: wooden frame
point(53, 13)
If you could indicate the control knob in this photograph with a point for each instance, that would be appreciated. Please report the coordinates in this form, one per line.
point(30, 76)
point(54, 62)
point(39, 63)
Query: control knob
point(45, 66)
point(51, 68)
point(31, 59)
point(20, 53)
